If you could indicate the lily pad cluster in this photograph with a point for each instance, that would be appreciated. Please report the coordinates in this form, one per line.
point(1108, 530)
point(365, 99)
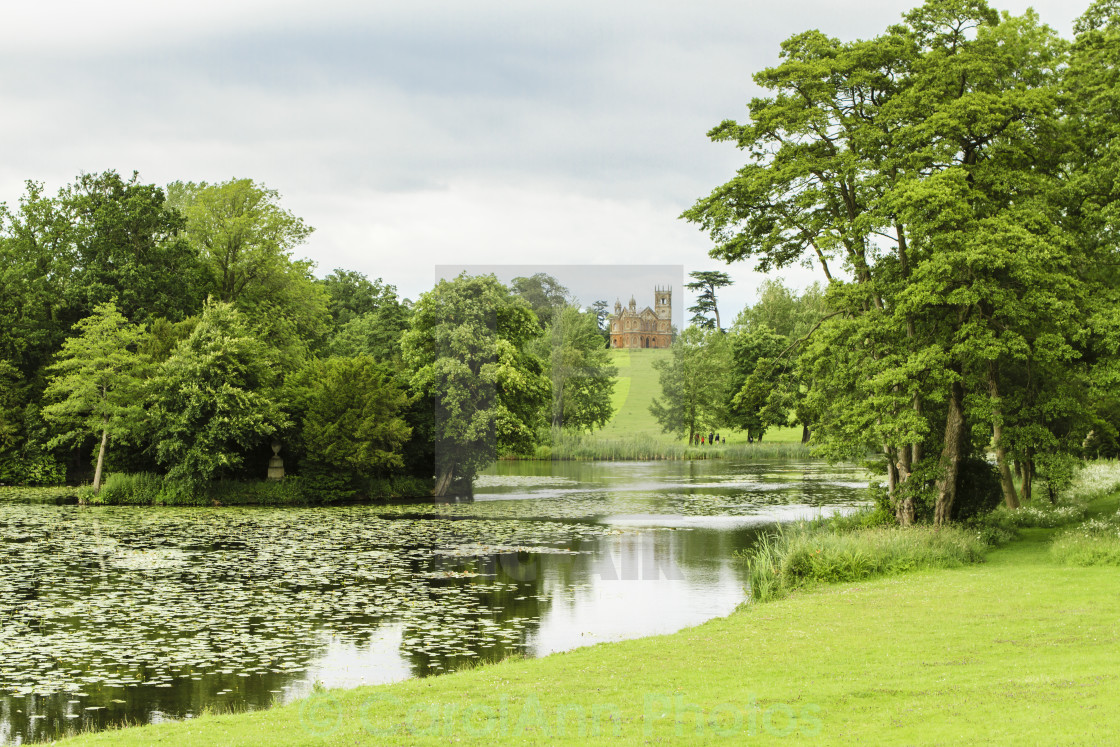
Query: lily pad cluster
point(121, 598)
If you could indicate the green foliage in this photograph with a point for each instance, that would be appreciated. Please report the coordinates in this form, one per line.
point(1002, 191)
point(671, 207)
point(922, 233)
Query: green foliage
point(370, 320)
point(579, 365)
point(130, 249)
point(694, 383)
point(246, 240)
point(800, 557)
point(467, 348)
point(39, 469)
point(352, 422)
point(124, 489)
point(932, 163)
point(1095, 542)
point(212, 400)
point(287, 492)
point(978, 491)
point(705, 284)
point(95, 384)
point(544, 294)
point(10, 411)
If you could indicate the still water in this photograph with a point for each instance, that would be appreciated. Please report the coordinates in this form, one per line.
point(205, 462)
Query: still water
point(115, 615)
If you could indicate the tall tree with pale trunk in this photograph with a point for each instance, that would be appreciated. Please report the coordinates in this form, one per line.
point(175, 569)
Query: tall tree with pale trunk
point(94, 383)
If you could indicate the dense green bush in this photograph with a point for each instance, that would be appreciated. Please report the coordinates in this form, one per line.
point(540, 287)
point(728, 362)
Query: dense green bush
point(399, 486)
point(40, 470)
point(125, 489)
point(286, 492)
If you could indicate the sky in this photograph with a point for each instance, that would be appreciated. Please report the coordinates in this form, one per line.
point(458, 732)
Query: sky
point(421, 133)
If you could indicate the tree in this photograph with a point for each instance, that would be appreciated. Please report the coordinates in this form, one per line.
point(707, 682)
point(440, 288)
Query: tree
point(705, 284)
point(371, 319)
point(95, 383)
point(246, 240)
point(467, 349)
point(129, 247)
point(352, 422)
point(922, 162)
point(37, 260)
point(10, 415)
point(693, 384)
point(212, 399)
point(352, 294)
point(755, 391)
point(245, 236)
point(544, 294)
point(578, 363)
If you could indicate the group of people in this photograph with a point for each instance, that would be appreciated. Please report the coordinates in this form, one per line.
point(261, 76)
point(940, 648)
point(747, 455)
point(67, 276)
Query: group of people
point(698, 439)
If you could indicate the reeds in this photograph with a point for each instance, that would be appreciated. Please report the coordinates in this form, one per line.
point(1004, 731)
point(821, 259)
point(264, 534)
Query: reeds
point(806, 555)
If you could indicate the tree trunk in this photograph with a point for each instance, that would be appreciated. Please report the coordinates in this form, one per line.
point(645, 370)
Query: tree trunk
point(1028, 476)
point(892, 473)
point(1006, 483)
point(951, 454)
point(443, 482)
point(805, 434)
point(916, 447)
point(905, 466)
point(100, 460)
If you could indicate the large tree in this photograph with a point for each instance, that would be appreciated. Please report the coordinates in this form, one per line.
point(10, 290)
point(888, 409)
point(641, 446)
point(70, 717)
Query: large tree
point(467, 348)
point(914, 169)
point(706, 284)
point(95, 384)
point(212, 400)
point(694, 382)
point(352, 422)
point(246, 240)
point(578, 362)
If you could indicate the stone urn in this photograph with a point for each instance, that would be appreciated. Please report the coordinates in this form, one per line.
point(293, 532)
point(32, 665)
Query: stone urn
point(275, 464)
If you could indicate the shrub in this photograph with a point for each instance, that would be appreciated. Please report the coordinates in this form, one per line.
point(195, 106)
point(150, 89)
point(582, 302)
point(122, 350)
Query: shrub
point(35, 470)
point(1041, 515)
point(399, 486)
point(125, 489)
point(284, 492)
point(993, 528)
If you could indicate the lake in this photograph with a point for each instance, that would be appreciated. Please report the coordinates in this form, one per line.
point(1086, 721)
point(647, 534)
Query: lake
point(135, 615)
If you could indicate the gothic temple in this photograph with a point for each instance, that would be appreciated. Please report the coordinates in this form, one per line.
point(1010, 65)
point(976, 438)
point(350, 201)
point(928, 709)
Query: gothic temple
point(648, 328)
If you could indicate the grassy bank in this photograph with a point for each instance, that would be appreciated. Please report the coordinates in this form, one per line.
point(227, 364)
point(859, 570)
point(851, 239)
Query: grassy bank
point(579, 446)
point(23, 494)
point(145, 489)
point(1018, 649)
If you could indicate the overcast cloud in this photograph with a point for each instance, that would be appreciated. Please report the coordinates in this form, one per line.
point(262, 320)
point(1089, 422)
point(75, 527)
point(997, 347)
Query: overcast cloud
point(415, 134)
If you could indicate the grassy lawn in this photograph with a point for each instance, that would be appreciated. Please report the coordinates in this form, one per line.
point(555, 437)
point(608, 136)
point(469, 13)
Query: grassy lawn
point(1015, 650)
point(638, 386)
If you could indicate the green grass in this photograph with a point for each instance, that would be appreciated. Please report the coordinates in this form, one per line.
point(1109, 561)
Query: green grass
point(1015, 650)
point(804, 556)
point(638, 385)
point(643, 446)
